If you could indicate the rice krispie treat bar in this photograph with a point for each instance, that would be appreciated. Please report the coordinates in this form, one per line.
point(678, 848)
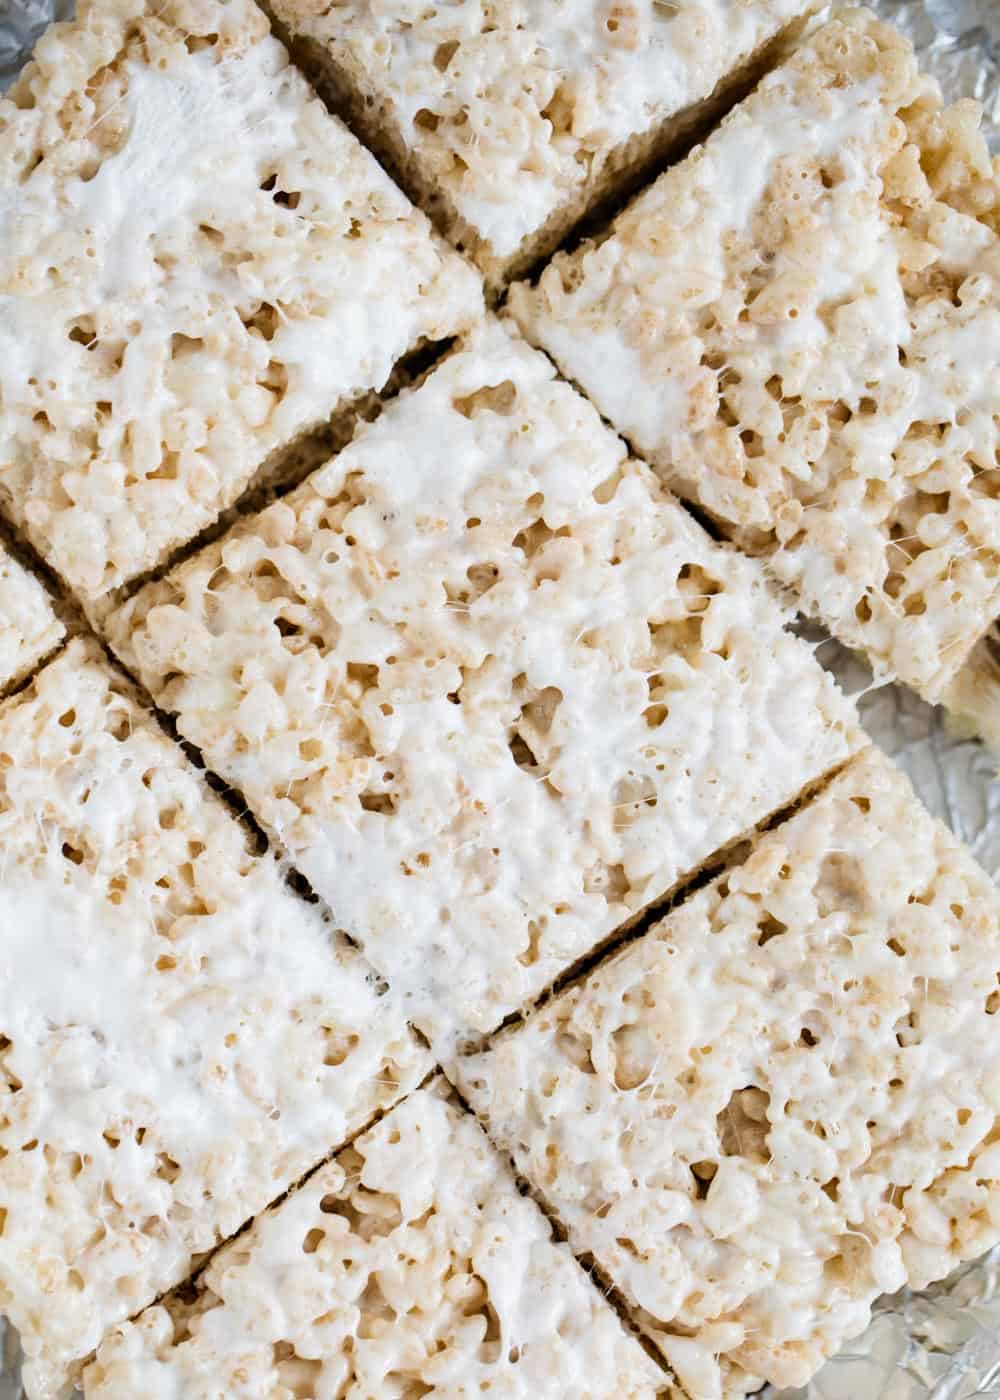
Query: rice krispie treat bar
point(410, 1265)
point(180, 1036)
point(197, 264)
point(29, 629)
point(799, 326)
point(487, 683)
point(782, 1101)
point(510, 120)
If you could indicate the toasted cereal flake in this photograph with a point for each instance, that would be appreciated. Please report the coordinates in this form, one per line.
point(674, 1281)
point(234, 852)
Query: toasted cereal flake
point(823, 372)
point(490, 686)
point(408, 1266)
point(782, 1101)
point(513, 116)
point(181, 1036)
point(29, 629)
point(197, 264)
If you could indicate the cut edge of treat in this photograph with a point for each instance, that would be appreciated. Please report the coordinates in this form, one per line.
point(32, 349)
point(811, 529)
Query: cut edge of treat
point(348, 92)
point(280, 473)
point(617, 943)
point(85, 648)
point(596, 1275)
point(65, 609)
point(967, 685)
point(190, 1280)
point(639, 1320)
point(437, 1083)
point(117, 639)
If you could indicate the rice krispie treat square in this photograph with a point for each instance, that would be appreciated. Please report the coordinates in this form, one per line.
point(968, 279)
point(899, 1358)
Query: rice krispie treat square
point(799, 326)
point(510, 120)
point(410, 1265)
point(180, 1036)
point(29, 629)
point(197, 264)
point(782, 1101)
point(489, 685)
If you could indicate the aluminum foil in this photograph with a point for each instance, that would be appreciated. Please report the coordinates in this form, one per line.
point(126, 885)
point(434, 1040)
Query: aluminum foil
point(21, 22)
point(943, 1344)
point(959, 42)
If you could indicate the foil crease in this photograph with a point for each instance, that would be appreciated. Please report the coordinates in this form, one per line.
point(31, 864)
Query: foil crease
point(943, 1344)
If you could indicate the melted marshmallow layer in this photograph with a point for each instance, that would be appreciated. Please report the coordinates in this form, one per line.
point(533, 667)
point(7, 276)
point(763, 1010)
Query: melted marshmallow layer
point(800, 327)
point(408, 1266)
point(196, 264)
point(491, 687)
point(783, 1100)
point(181, 1037)
point(513, 109)
point(29, 629)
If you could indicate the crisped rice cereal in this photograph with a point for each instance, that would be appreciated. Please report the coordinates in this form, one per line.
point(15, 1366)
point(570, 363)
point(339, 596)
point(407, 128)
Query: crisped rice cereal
point(197, 264)
point(180, 1037)
point(782, 1101)
point(409, 1266)
point(490, 686)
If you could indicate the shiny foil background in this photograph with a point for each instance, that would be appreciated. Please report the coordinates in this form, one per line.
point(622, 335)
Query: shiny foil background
point(943, 1344)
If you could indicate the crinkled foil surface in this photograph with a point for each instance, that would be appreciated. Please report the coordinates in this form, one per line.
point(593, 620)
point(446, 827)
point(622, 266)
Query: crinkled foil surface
point(21, 22)
point(943, 1344)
